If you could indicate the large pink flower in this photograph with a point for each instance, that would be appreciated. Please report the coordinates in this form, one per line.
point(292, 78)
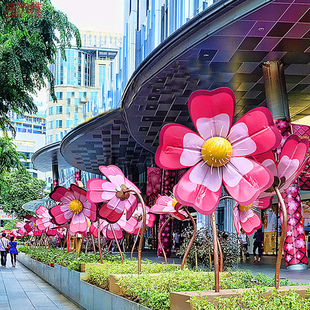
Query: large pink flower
point(122, 224)
point(288, 167)
point(247, 218)
point(75, 208)
point(113, 194)
point(31, 226)
point(169, 205)
point(150, 218)
point(218, 153)
point(44, 222)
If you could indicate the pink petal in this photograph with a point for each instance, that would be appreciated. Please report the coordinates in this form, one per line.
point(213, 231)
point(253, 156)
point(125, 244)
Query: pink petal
point(236, 218)
point(196, 195)
point(245, 185)
point(207, 106)
point(131, 186)
point(261, 130)
point(59, 215)
point(250, 221)
point(90, 210)
point(114, 174)
point(203, 174)
point(240, 141)
point(112, 212)
point(292, 155)
point(78, 223)
point(130, 205)
point(172, 152)
point(262, 203)
point(42, 211)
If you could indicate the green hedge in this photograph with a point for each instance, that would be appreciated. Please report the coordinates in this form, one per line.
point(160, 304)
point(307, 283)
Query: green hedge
point(253, 299)
point(71, 260)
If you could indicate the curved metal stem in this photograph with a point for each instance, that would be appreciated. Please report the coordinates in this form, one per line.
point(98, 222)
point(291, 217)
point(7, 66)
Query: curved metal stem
point(109, 247)
point(215, 251)
point(159, 237)
point(119, 248)
point(142, 229)
point(282, 239)
point(93, 241)
point(134, 244)
point(99, 245)
point(192, 239)
point(220, 252)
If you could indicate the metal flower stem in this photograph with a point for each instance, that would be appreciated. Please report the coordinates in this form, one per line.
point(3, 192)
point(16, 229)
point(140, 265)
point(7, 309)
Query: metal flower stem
point(192, 239)
point(117, 243)
point(159, 237)
point(220, 252)
point(80, 249)
point(134, 245)
point(215, 251)
point(143, 228)
point(99, 246)
point(109, 246)
point(86, 245)
point(94, 246)
point(283, 235)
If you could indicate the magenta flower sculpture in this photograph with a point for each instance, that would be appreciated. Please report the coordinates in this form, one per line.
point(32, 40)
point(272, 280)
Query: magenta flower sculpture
point(150, 218)
point(75, 208)
point(287, 168)
point(115, 194)
point(218, 153)
point(245, 217)
point(31, 227)
point(44, 222)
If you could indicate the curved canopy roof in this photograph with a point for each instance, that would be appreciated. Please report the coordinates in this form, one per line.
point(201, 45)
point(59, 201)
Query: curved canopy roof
point(224, 45)
point(103, 140)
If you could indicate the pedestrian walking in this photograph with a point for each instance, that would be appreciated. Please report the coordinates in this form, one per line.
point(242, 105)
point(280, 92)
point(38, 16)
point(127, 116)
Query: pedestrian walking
point(13, 251)
point(243, 245)
point(258, 244)
point(4, 248)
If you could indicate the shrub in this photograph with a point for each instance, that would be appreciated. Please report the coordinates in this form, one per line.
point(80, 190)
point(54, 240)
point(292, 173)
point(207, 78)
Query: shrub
point(254, 299)
point(100, 274)
point(202, 248)
point(71, 260)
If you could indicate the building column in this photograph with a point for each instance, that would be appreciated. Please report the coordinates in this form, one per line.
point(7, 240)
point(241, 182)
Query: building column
point(55, 175)
point(277, 103)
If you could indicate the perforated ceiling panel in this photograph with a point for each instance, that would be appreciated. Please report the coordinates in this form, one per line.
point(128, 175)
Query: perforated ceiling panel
point(103, 140)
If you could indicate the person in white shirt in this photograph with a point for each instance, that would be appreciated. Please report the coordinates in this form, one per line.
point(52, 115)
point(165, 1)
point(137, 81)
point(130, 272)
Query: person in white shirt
point(4, 242)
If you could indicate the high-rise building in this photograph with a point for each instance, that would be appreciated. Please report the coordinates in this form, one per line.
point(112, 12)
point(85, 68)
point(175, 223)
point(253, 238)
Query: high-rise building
point(30, 136)
point(80, 82)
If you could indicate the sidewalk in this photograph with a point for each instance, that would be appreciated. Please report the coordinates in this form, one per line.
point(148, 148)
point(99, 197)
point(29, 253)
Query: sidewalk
point(21, 289)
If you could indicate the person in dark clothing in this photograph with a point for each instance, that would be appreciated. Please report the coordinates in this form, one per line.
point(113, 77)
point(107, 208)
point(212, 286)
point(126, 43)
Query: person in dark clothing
point(258, 244)
point(13, 251)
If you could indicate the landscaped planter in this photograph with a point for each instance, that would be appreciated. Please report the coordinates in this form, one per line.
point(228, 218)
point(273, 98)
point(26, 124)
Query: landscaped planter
point(180, 300)
point(70, 283)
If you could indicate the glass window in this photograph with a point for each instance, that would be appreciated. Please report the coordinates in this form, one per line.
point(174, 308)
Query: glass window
point(57, 137)
point(50, 125)
point(50, 139)
point(58, 123)
point(90, 40)
point(68, 110)
point(68, 123)
point(95, 40)
point(50, 111)
point(59, 109)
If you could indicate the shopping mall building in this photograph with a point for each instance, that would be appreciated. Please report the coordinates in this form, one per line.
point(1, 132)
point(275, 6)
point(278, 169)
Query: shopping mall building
point(258, 48)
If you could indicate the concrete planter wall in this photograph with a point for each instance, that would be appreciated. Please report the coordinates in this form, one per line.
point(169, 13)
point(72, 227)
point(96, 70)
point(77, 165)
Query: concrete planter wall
point(70, 284)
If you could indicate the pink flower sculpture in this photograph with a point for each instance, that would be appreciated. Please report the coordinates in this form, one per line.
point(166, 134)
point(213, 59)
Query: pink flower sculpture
point(22, 231)
point(218, 153)
point(150, 218)
point(122, 224)
point(247, 218)
point(32, 227)
point(169, 205)
point(113, 193)
point(287, 168)
point(44, 222)
point(75, 209)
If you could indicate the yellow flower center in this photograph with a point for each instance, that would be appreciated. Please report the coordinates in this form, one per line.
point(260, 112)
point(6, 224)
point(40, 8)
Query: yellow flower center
point(216, 151)
point(174, 202)
point(245, 208)
point(75, 206)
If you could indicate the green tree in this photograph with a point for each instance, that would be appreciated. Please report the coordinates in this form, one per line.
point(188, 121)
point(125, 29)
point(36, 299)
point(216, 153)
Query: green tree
point(20, 188)
point(28, 44)
point(10, 224)
point(9, 157)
